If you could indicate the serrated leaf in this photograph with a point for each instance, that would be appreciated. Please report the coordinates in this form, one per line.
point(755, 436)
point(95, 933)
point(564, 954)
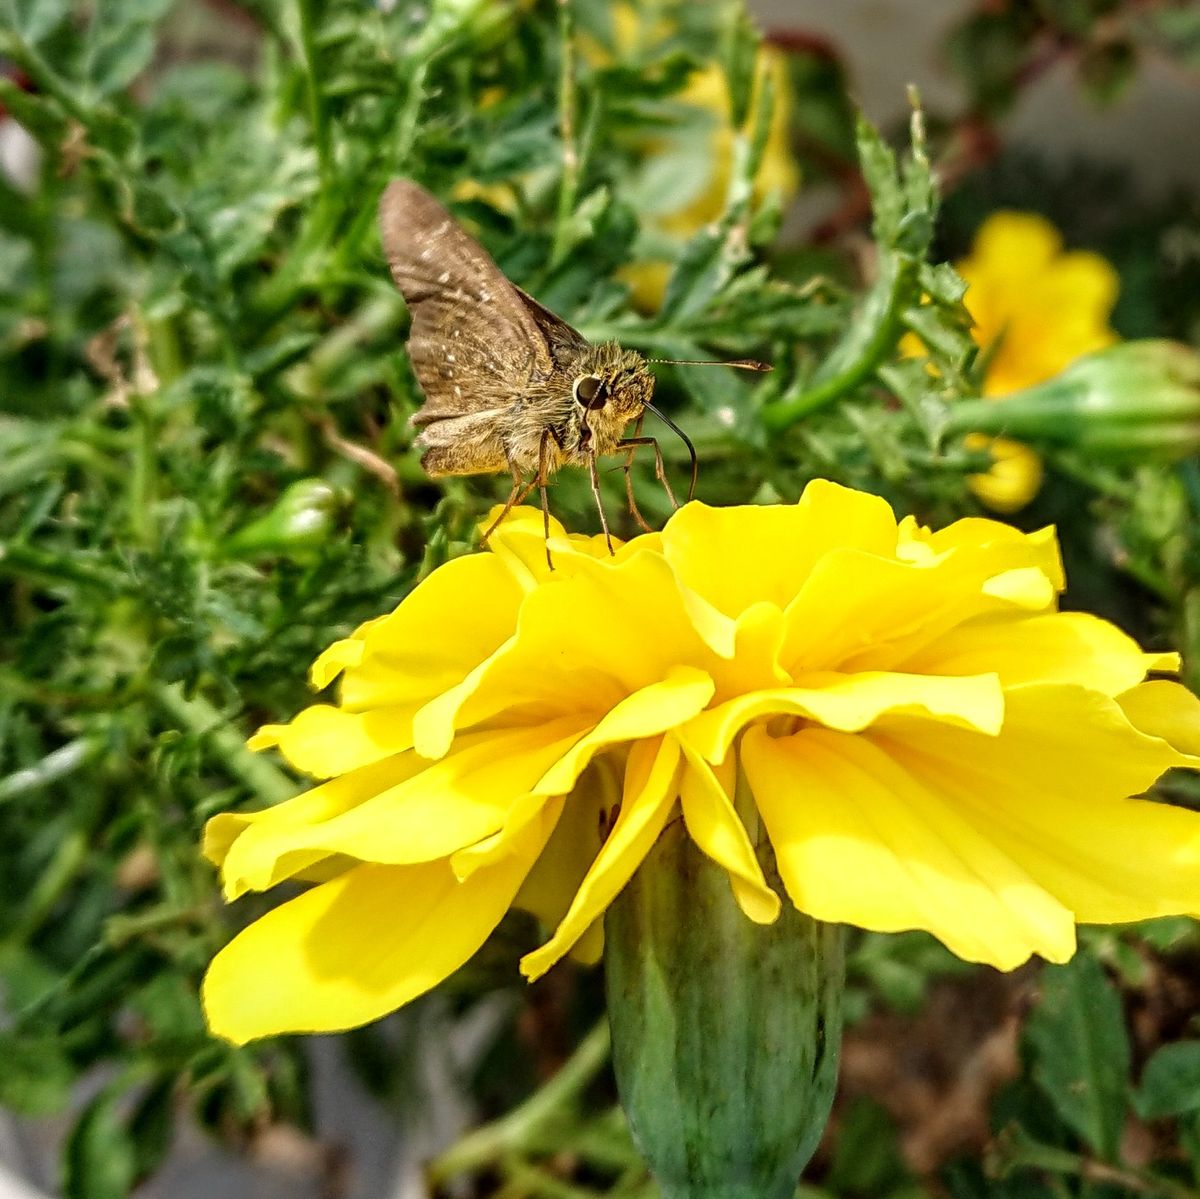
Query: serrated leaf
point(1081, 1051)
point(741, 49)
point(706, 266)
point(1170, 1083)
point(878, 164)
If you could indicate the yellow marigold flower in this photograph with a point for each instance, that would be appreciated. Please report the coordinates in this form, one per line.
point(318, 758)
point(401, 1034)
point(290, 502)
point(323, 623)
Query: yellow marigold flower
point(1036, 309)
point(929, 744)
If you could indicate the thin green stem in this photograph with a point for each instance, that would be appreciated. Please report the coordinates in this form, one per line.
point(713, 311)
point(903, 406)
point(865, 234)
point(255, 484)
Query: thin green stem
point(488, 1145)
point(197, 715)
point(884, 329)
point(71, 854)
point(406, 126)
point(1015, 1149)
point(316, 103)
point(56, 765)
point(568, 115)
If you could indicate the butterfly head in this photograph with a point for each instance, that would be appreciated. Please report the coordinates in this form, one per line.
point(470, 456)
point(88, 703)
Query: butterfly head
point(612, 383)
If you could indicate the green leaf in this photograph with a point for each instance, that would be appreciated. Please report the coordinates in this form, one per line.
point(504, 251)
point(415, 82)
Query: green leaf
point(741, 47)
point(1081, 1051)
point(1170, 1082)
point(35, 19)
point(99, 1159)
point(878, 164)
point(37, 1075)
point(708, 264)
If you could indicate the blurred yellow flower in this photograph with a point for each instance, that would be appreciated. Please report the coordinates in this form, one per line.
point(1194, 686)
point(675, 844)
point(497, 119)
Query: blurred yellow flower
point(1036, 309)
point(929, 745)
point(701, 185)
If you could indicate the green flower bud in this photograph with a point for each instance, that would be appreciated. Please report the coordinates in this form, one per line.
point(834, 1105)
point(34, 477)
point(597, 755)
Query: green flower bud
point(1136, 398)
point(725, 1032)
point(299, 523)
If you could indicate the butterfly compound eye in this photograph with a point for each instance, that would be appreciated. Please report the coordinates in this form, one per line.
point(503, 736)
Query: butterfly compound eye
point(590, 392)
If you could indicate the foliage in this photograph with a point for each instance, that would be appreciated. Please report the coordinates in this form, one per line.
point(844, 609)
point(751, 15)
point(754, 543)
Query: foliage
point(198, 342)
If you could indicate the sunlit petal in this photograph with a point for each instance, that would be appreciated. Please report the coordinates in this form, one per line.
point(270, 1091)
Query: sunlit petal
point(649, 796)
point(351, 950)
point(859, 839)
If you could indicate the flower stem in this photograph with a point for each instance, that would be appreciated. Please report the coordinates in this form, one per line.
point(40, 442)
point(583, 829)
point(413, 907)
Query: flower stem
point(197, 715)
point(488, 1144)
point(725, 1032)
point(567, 104)
point(316, 104)
point(869, 341)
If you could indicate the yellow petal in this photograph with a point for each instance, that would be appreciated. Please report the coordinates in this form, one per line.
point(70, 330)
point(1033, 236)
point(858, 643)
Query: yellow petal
point(1060, 809)
point(314, 806)
point(739, 556)
point(860, 840)
point(857, 611)
point(713, 823)
point(549, 890)
point(854, 702)
point(337, 657)
point(354, 949)
point(1165, 710)
point(751, 660)
point(1014, 477)
point(325, 741)
point(646, 713)
point(406, 663)
point(582, 646)
point(431, 813)
point(648, 798)
point(1057, 647)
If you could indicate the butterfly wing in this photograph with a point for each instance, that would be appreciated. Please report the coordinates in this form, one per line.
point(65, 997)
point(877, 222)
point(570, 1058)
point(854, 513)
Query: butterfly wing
point(475, 345)
point(565, 343)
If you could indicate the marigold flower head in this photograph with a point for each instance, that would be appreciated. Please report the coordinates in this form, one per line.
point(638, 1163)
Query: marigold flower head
point(1036, 310)
point(928, 742)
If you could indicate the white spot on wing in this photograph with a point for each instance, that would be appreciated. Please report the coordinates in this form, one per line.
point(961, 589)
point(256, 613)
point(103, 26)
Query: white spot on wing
point(444, 277)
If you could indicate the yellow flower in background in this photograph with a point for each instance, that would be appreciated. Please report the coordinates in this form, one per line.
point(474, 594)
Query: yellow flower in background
point(693, 189)
point(1036, 310)
point(929, 745)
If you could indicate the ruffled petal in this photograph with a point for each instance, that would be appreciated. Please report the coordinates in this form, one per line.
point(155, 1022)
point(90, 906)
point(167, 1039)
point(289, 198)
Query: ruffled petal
point(739, 556)
point(351, 950)
point(649, 795)
point(1107, 858)
point(520, 542)
point(1165, 710)
point(713, 823)
point(646, 713)
point(1058, 647)
point(550, 888)
point(859, 839)
point(314, 806)
point(405, 661)
point(852, 702)
point(431, 812)
point(861, 612)
point(582, 646)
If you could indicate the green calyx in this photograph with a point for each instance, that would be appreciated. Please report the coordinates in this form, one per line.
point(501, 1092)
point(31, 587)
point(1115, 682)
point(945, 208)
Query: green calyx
point(725, 1032)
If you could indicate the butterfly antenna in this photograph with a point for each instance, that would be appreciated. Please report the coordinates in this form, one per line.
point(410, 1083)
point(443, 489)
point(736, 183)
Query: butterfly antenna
point(742, 364)
point(687, 441)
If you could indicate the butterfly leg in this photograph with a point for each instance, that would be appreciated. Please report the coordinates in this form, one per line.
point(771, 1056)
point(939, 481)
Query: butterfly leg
point(540, 480)
point(634, 510)
point(594, 476)
point(660, 473)
point(520, 489)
